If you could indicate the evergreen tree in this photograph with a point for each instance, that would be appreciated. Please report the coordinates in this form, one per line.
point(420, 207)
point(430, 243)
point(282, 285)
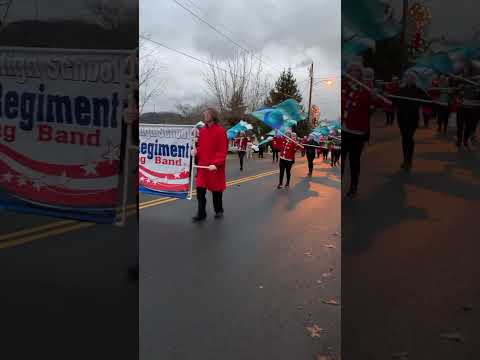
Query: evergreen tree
point(285, 88)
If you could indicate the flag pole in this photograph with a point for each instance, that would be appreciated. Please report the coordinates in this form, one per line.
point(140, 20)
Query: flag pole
point(367, 88)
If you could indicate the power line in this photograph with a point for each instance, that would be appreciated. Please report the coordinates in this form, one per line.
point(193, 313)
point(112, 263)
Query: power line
point(221, 33)
point(223, 26)
point(182, 53)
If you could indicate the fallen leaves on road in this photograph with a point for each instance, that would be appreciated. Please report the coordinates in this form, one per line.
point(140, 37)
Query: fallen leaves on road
point(314, 331)
point(331, 302)
point(453, 336)
point(400, 356)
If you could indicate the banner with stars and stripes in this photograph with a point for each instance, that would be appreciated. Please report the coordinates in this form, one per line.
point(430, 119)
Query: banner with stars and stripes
point(165, 159)
point(61, 131)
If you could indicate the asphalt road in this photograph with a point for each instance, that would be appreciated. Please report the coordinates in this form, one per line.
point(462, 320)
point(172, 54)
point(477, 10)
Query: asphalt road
point(64, 288)
point(249, 285)
point(410, 252)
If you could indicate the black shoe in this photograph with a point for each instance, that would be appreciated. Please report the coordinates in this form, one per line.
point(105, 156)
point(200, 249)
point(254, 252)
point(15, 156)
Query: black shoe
point(198, 218)
point(279, 186)
point(287, 185)
point(219, 215)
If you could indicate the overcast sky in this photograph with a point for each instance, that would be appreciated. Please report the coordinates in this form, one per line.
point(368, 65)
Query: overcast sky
point(284, 33)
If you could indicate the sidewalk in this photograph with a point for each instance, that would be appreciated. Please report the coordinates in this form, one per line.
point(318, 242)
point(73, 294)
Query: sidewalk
point(409, 252)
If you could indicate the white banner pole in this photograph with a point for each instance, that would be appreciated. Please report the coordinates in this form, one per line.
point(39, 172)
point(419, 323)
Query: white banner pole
point(192, 162)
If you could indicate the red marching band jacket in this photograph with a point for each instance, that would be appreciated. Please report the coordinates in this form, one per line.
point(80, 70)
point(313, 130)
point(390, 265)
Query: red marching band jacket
point(356, 102)
point(212, 149)
point(241, 143)
point(276, 143)
point(286, 148)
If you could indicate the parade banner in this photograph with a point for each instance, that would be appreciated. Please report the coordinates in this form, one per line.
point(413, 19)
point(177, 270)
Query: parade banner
point(61, 131)
point(165, 160)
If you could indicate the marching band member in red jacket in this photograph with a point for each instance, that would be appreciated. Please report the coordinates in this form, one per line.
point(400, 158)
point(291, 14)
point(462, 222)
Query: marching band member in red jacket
point(356, 102)
point(391, 89)
point(242, 148)
point(287, 149)
point(304, 141)
point(275, 146)
point(211, 152)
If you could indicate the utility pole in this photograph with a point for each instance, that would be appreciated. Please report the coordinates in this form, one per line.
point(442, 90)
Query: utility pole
point(310, 96)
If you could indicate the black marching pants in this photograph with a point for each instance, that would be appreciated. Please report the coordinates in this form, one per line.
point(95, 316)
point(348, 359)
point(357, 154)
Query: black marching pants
point(310, 160)
point(407, 131)
point(352, 146)
point(285, 166)
point(241, 155)
point(202, 201)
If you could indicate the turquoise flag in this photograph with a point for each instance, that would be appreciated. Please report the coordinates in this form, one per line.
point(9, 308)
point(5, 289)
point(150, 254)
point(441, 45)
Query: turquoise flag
point(440, 62)
point(368, 18)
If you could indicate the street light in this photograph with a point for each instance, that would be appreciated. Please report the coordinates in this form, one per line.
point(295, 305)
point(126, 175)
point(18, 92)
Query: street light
point(328, 82)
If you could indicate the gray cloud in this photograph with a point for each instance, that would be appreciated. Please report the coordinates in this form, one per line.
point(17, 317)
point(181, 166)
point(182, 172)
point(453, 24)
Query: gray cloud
point(284, 33)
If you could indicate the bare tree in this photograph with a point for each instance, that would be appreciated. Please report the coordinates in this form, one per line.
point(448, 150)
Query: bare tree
point(237, 83)
point(194, 112)
point(151, 84)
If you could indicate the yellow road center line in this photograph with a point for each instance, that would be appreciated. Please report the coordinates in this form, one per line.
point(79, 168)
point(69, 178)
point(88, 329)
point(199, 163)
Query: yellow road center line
point(64, 226)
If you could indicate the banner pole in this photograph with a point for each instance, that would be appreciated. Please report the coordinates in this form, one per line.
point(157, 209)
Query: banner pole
point(130, 109)
point(192, 163)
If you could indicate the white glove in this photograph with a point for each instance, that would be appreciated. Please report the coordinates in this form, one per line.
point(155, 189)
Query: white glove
point(212, 167)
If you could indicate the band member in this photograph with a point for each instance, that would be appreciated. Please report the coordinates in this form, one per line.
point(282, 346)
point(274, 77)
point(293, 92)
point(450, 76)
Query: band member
point(391, 89)
point(310, 152)
point(261, 149)
point(408, 116)
point(355, 102)
point(275, 144)
point(443, 111)
point(304, 141)
point(242, 143)
point(287, 149)
point(334, 153)
point(325, 149)
point(467, 116)
point(211, 152)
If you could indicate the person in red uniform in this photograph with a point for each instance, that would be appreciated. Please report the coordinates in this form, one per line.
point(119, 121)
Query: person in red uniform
point(355, 102)
point(275, 146)
point(211, 152)
point(391, 89)
point(242, 148)
point(304, 141)
point(287, 149)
